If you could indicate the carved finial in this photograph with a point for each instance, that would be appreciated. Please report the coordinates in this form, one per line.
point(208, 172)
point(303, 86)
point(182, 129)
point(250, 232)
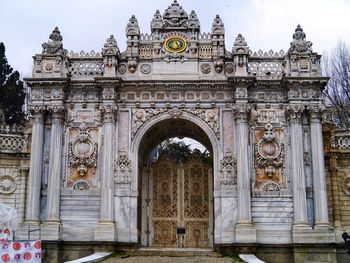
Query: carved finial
point(217, 26)
point(54, 44)
point(132, 28)
point(110, 47)
point(175, 17)
point(157, 21)
point(193, 21)
point(299, 43)
point(240, 41)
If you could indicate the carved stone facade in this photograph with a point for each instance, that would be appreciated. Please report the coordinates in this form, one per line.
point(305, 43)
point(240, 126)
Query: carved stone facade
point(97, 116)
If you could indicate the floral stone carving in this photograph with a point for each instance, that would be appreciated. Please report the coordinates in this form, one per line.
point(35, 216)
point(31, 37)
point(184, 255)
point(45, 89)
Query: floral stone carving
point(7, 184)
point(123, 169)
point(82, 151)
point(228, 169)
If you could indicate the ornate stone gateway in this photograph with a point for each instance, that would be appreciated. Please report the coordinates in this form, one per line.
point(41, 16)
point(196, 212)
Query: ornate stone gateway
point(179, 197)
point(96, 116)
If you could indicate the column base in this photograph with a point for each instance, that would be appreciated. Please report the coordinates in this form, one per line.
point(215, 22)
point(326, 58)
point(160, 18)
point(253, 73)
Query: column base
point(105, 231)
point(51, 231)
point(24, 230)
point(320, 234)
point(245, 233)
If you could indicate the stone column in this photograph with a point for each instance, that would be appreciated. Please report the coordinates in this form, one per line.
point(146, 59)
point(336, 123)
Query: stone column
point(318, 168)
point(35, 170)
point(105, 231)
point(245, 231)
point(51, 228)
point(294, 113)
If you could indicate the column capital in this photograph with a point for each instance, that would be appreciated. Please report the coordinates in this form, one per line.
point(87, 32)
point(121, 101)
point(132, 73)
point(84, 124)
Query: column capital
point(57, 111)
point(37, 113)
point(108, 112)
point(316, 112)
point(294, 112)
point(241, 111)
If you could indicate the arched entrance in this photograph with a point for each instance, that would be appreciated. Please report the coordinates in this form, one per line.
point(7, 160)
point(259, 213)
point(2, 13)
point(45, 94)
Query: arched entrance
point(175, 196)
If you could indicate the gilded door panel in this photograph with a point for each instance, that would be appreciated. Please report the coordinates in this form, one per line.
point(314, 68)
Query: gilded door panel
point(196, 202)
point(165, 202)
point(180, 199)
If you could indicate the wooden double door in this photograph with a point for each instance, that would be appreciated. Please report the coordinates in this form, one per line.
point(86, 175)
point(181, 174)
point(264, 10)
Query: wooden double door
point(177, 197)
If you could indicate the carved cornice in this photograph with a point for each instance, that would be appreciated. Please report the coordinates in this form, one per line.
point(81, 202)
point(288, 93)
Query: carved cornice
point(294, 112)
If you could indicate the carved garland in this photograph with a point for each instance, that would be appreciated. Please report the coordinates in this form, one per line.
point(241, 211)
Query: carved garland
point(82, 151)
point(210, 116)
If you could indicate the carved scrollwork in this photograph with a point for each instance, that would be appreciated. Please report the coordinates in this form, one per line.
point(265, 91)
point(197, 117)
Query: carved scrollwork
point(122, 168)
point(7, 184)
point(269, 152)
point(82, 151)
point(210, 116)
point(228, 170)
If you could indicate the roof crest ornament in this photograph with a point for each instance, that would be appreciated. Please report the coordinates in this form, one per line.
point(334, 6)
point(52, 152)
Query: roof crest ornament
point(175, 17)
point(218, 26)
point(132, 28)
point(299, 43)
point(240, 41)
point(54, 45)
point(110, 47)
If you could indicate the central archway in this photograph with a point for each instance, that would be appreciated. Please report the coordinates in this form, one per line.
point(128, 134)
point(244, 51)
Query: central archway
point(151, 134)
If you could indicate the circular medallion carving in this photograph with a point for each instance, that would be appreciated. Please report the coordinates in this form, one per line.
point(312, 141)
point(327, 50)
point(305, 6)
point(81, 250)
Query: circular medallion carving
point(7, 184)
point(145, 68)
point(83, 148)
point(175, 44)
point(205, 68)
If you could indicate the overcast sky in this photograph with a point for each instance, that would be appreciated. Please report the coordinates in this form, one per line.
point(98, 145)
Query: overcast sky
point(85, 24)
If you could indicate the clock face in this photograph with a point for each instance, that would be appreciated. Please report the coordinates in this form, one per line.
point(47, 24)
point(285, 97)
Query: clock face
point(175, 44)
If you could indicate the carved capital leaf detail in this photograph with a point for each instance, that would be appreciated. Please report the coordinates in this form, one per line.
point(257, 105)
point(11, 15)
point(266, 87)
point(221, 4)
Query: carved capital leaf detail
point(294, 112)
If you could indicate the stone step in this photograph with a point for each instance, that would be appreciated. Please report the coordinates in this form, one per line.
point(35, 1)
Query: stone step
point(173, 252)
